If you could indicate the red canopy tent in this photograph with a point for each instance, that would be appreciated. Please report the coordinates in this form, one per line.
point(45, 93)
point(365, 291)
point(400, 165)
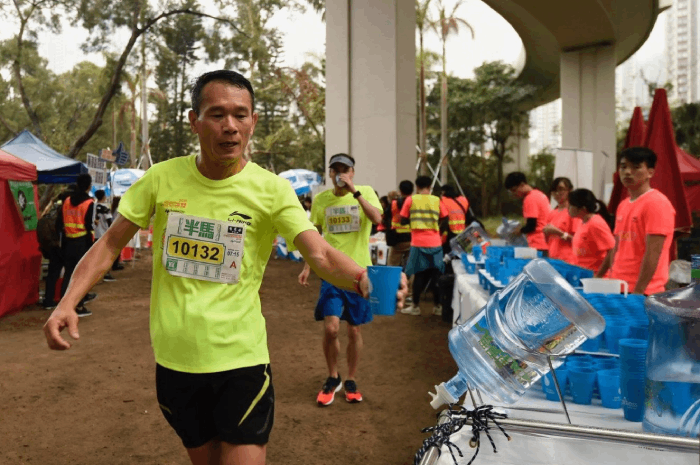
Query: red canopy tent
point(20, 259)
point(667, 177)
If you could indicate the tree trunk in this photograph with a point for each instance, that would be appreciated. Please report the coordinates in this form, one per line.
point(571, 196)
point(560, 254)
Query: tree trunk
point(443, 118)
point(484, 198)
point(423, 120)
point(144, 108)
point(134, 156)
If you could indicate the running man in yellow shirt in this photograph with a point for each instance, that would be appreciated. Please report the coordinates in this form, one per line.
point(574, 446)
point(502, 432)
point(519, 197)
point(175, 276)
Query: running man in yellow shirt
point(345, 215)
point(216, 216)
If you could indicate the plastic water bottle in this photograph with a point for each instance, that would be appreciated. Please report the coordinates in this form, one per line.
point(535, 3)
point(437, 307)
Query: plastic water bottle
point(673, 359)
point(473, 235)
point(503, 349)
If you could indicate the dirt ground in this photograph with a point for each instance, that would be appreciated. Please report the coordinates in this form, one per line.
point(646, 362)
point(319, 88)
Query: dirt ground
point(95, 404)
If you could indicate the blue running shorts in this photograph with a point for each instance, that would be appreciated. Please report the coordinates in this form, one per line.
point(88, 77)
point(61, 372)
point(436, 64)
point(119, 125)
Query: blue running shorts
point(346, 305)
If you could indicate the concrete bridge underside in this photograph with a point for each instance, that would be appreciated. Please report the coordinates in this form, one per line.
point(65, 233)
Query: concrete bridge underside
point(571, 48)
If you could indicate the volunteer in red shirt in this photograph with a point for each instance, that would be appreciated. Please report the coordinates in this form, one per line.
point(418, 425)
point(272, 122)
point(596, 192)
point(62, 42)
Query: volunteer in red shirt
point(535, 209)
point(593, 239)
point(561, 227)
point(643, 227)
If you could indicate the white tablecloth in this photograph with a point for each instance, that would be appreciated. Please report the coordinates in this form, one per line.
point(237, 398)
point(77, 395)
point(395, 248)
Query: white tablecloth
point(468, 297)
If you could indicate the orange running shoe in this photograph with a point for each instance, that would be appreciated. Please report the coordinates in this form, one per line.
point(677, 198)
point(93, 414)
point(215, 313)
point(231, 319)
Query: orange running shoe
point(327, 394)
point(352, 395)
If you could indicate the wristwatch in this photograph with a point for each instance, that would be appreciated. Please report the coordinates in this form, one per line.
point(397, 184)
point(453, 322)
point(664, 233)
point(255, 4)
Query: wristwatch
point(357, 194)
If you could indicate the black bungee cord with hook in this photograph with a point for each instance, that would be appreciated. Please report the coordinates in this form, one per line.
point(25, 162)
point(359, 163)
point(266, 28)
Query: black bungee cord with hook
point(458, 417)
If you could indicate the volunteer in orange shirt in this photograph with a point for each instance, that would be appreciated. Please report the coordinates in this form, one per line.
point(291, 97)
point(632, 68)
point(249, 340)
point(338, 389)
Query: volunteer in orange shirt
point(535, 209)
point(457, 207)
point(593, 239)
point(561, 227)
point(643, 227)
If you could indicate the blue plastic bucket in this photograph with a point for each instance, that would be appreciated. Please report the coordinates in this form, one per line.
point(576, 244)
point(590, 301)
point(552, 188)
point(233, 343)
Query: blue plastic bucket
point(385, 283)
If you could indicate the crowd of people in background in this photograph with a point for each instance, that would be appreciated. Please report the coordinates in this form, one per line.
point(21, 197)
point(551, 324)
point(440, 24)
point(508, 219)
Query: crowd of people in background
point(68, 227)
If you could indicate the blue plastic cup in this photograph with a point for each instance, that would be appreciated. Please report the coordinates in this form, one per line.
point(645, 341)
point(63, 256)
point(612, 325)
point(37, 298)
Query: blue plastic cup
point(633, 355)
point(609, 386)
point(678, 396)
point(385, 282)
point(548, 386)
point(591, 345)
point(632, 389)
point(638, 331)
point(608, 364)
point(581, 382)
point(614, 331)
point(477, 252)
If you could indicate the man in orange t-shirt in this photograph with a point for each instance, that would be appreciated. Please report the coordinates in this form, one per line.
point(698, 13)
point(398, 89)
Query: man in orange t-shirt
point(643, 227)
point(535, 209)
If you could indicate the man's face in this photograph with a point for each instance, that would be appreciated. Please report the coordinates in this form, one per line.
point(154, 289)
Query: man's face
point(338, 168)
point(519, 190)
point(225, 122)
point(634, 176)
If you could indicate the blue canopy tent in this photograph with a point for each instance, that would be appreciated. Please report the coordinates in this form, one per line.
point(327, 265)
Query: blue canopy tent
point(51, 166)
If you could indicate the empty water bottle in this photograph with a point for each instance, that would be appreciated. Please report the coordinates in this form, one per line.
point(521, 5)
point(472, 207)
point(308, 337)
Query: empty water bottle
point(503, 349)
point(673, 359)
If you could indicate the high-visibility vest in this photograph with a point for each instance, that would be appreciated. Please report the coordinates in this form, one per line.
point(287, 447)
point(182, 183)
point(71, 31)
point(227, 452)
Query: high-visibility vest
point(425, 212)
point(456, 211)
point(74, 218)
point(396, 219)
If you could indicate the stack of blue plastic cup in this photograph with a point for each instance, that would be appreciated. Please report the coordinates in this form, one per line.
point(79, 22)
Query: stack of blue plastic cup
point(633, 355)
point(581, 380)
point(548, 386)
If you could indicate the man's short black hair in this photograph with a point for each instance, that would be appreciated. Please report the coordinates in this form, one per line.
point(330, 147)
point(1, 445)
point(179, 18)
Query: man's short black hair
point(83, 182)
point(423, 182)
point(638, 155)
point(231, 77)
point(448, 191)
point(406, 187)
point(99, 194)
point(514, 179)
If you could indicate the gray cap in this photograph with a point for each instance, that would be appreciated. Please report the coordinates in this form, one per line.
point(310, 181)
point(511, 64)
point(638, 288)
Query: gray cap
point(341, 158)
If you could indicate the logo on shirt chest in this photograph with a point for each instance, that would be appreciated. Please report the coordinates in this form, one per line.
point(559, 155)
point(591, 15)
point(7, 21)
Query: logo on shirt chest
point(240, 218)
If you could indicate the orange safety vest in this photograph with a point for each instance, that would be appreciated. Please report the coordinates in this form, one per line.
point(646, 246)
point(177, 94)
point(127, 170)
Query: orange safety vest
point(456, 209)
point(74, 218)
point(396, 219)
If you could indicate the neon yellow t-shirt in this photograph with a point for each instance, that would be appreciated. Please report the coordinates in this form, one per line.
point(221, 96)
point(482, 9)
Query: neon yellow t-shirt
point(343, 222)
point(200, 326)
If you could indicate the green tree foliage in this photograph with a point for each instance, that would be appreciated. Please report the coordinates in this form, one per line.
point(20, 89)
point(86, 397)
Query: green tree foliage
point(485, 112)
point(686, 124)
point(541, 172)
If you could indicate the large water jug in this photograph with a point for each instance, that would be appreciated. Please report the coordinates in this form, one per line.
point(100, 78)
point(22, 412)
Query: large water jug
point(474, 236)
point(503, 349)
point(673, 359)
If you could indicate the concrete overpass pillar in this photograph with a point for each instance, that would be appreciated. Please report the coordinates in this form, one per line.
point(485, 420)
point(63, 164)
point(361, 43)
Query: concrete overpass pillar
point(519, 151)
point(371, 88)
point(588, 108)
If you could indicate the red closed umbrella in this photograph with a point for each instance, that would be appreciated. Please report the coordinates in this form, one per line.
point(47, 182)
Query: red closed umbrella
point(636, 134)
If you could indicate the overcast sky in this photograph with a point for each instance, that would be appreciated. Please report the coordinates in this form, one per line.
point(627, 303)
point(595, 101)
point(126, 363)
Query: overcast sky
point(305, 33)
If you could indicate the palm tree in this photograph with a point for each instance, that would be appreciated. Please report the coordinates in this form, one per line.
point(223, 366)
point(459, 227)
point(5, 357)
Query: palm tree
point(445, 26)
point(422, 23)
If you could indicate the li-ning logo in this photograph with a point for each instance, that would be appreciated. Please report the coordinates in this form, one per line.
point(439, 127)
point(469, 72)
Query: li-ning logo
point(244, 218)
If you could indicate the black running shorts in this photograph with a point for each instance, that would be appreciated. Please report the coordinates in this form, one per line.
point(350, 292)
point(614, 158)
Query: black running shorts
point(235, 406)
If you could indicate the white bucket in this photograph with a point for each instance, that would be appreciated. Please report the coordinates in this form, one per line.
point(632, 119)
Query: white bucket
point(603, 286)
